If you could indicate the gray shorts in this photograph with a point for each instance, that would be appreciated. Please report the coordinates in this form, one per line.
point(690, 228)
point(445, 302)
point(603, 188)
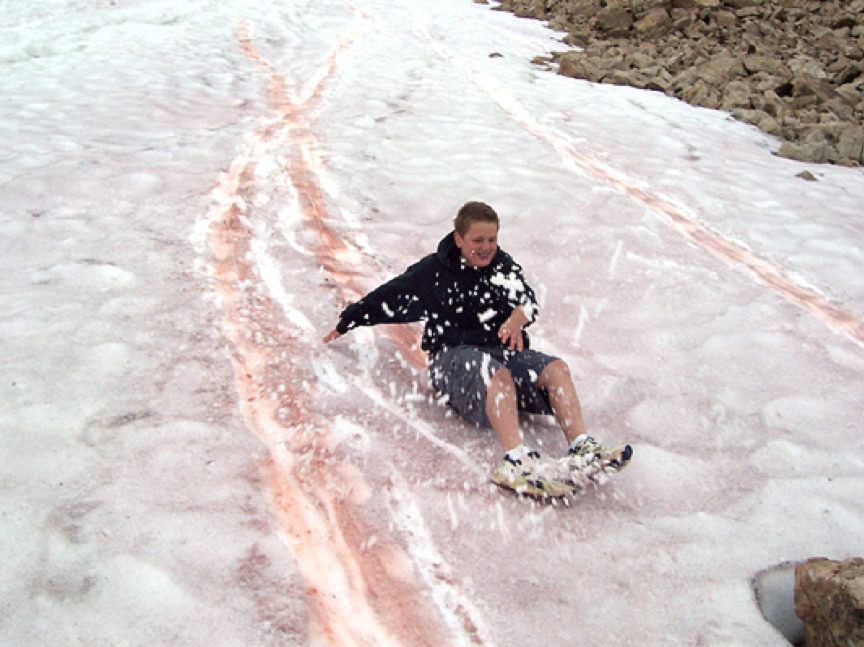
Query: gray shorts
point(461, 374)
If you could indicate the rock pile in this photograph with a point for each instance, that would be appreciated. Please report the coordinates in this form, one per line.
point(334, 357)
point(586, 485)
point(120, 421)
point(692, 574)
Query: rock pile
point(794, 68)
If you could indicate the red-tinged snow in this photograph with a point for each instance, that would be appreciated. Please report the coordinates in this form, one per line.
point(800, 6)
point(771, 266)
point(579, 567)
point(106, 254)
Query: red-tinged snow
point(190, 193)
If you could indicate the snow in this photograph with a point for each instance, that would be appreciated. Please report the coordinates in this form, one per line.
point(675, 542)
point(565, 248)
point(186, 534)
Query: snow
point(189, 194)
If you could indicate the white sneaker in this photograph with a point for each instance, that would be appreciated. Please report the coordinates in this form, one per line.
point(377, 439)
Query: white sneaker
point(590, 459)
point(525, 478)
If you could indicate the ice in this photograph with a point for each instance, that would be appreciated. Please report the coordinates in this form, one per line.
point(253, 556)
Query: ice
point(189, 194)
point(774, 591)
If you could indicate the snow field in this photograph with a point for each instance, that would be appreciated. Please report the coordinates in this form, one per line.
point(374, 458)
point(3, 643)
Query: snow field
point(139, 507)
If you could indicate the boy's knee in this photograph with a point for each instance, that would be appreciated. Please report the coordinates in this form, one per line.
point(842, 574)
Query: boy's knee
point(502, 378)
point(554, 373)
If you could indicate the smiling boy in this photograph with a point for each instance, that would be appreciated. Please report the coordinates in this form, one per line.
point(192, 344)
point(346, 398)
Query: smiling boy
point(475, 303)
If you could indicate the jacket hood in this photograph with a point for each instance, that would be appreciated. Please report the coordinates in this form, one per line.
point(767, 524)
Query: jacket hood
point(450, 255)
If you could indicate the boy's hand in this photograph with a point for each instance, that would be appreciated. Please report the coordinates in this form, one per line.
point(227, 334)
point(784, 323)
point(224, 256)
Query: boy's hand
point(333, 334)
point(510, 332)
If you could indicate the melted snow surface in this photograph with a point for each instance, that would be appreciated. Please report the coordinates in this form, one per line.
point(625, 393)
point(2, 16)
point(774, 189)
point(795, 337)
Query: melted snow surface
point(708, 301)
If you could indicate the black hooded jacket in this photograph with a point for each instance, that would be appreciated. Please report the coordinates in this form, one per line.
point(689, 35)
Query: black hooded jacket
point(459, 304)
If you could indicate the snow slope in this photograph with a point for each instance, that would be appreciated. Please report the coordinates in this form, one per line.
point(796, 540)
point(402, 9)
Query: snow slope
point(190, 193)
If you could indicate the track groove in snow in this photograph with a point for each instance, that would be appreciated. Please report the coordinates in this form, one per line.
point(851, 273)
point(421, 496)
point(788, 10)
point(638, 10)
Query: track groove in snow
point(317, 494)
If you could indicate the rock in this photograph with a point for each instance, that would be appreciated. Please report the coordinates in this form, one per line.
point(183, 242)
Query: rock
point(844, 20)
point(800, 65)
point(829, 599)
point(641, 8)
point(630, 78)
point(769, 124)
point(640, 60)
point(725, 19)
point(614, 22)
point(721, 69)
point(852, 95)
point(528, 8)
point(754, 64)
point(816, 152)
point(543, 61)
point(742, 4)
point(702, 94)
point(848, 74)
point(851, 147)
point(655, 22)
point(736, 95)
point(771, 104)
point(576, 66)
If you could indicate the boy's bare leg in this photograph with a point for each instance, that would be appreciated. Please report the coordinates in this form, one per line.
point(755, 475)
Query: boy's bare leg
point(502, 409)
point(558, 383)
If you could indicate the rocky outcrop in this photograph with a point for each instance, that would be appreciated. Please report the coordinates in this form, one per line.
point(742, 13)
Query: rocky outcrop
point(794, 68)
point(829, 599)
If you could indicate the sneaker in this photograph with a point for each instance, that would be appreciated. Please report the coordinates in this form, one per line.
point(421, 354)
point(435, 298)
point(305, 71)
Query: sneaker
point(523, 477)
point(590, 458)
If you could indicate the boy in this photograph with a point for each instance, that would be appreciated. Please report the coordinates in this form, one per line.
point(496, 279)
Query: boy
point(476, 304)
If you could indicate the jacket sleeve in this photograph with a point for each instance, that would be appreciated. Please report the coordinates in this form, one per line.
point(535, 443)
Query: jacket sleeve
point(397, 301)
point(518, 292)
point(528, 300)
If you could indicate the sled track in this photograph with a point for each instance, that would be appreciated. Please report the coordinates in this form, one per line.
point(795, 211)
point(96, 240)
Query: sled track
point(355, 597)
point(677, 218)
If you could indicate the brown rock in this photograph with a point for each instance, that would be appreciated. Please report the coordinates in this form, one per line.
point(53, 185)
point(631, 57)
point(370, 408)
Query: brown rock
point(823, 152)
point(803, 64)
point(631, 78)
point(614, 22)
point(702, 94)
point(640, 60)
point(851, 147)
point(841, 108)
point(682, 19)
point(656, 22)
point(851, 94)
point(769, 124)
point(577, 66)
point(829, 599)
point(642, 7)
point(753, 64)
point(742, 4)
point(725, 19)
point(806, 85)
point(721, 69)
point(848, 73)
point(771, 104)
point(736, 95)
point(844, 20)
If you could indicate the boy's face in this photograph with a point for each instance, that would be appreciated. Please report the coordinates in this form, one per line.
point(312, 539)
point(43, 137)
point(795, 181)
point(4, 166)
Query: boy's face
point(479, 244)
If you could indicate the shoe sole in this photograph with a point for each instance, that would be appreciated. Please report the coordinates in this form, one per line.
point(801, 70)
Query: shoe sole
point(536, 489)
